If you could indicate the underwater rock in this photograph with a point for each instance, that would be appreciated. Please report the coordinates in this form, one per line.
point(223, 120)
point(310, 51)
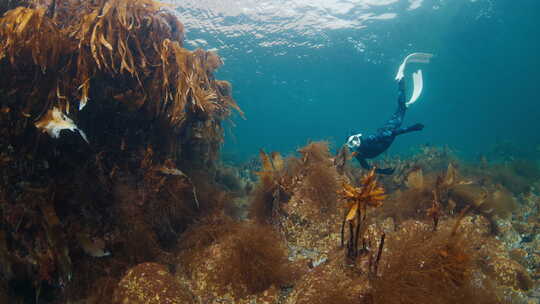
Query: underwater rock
point(507, 233)
point(332, 280)
point(244, 262)
point(508, 268)
point(304, 226)
point(510, 273)
point(388, 225)
point(475, 224)
point(519, 255)
point(468, 194)
point(498, 264)
point(150, 283)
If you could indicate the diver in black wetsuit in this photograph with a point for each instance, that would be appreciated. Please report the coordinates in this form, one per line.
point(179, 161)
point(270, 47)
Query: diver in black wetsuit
point(370, 146)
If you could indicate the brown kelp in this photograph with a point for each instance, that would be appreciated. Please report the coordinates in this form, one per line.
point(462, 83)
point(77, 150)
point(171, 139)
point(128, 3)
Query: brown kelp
point(370, 194)
point(443, 235)
point(312, 174)
point(110, 131)
point(109, 141)
point(276, 180)
point(320, 176)
point(422, 266)
point(68, 60)
point(241, 258)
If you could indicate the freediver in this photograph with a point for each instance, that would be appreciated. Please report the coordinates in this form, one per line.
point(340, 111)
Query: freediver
point(370, 146)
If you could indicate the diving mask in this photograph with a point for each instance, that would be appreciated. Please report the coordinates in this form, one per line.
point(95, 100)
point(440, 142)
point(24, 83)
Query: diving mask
point(354, 141)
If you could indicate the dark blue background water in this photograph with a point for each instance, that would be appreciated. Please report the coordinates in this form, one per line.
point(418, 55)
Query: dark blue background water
point(319, 83)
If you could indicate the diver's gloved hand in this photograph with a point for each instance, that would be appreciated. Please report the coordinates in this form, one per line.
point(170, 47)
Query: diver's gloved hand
point(386, 171)
point(417, 127)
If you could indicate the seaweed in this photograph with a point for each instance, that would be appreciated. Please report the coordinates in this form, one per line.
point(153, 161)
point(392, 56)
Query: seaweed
point(413, 201)
point(313, 172)
point(435, 211)
point(488, 200)
point(207, 231)
point(335, 295)
point(526, 168)
point(229, 177)
point(315, 152)
point(468, 195)
point(138, 239)
point(274, 187)
point(517, 176)
point(110, 132)
point(431, 195)
point(73, 56)
point(422, 266)
point(263, 199)
point(255, 259)
point(319, 176)
point(150, 283)
point(371, 194)
point(251, 258)
point(107, 123)
point(341, 161)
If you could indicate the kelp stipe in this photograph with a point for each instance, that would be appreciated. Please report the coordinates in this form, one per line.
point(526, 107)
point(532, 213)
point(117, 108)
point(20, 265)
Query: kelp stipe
point(358, 200)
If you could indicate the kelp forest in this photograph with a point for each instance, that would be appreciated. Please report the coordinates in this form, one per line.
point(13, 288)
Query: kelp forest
point(113, 189)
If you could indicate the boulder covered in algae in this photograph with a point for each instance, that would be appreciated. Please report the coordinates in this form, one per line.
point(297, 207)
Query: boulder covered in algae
point(234, 262)
point(332, 281)
point(309, 231)
point(151, 283)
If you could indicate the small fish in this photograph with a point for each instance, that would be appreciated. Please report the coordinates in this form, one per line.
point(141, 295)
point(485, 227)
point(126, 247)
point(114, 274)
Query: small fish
point(92, 247)
point(55, 121)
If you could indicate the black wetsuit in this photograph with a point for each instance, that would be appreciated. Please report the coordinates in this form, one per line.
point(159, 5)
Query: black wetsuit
point(375, 144)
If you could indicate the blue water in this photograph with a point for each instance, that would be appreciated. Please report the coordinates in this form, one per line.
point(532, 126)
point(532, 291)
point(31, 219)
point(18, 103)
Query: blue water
point(317, 70)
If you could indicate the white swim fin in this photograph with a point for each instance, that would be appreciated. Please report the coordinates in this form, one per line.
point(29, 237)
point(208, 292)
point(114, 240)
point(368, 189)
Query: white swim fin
point(418, 85)
point(414, 57)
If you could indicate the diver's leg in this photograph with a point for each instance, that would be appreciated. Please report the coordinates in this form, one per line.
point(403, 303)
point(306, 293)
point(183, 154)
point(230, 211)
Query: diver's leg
point(415, 127)
point(397, 119)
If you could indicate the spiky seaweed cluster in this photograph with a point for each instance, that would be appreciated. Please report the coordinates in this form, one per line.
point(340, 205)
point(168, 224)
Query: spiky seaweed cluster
point(87, 60)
